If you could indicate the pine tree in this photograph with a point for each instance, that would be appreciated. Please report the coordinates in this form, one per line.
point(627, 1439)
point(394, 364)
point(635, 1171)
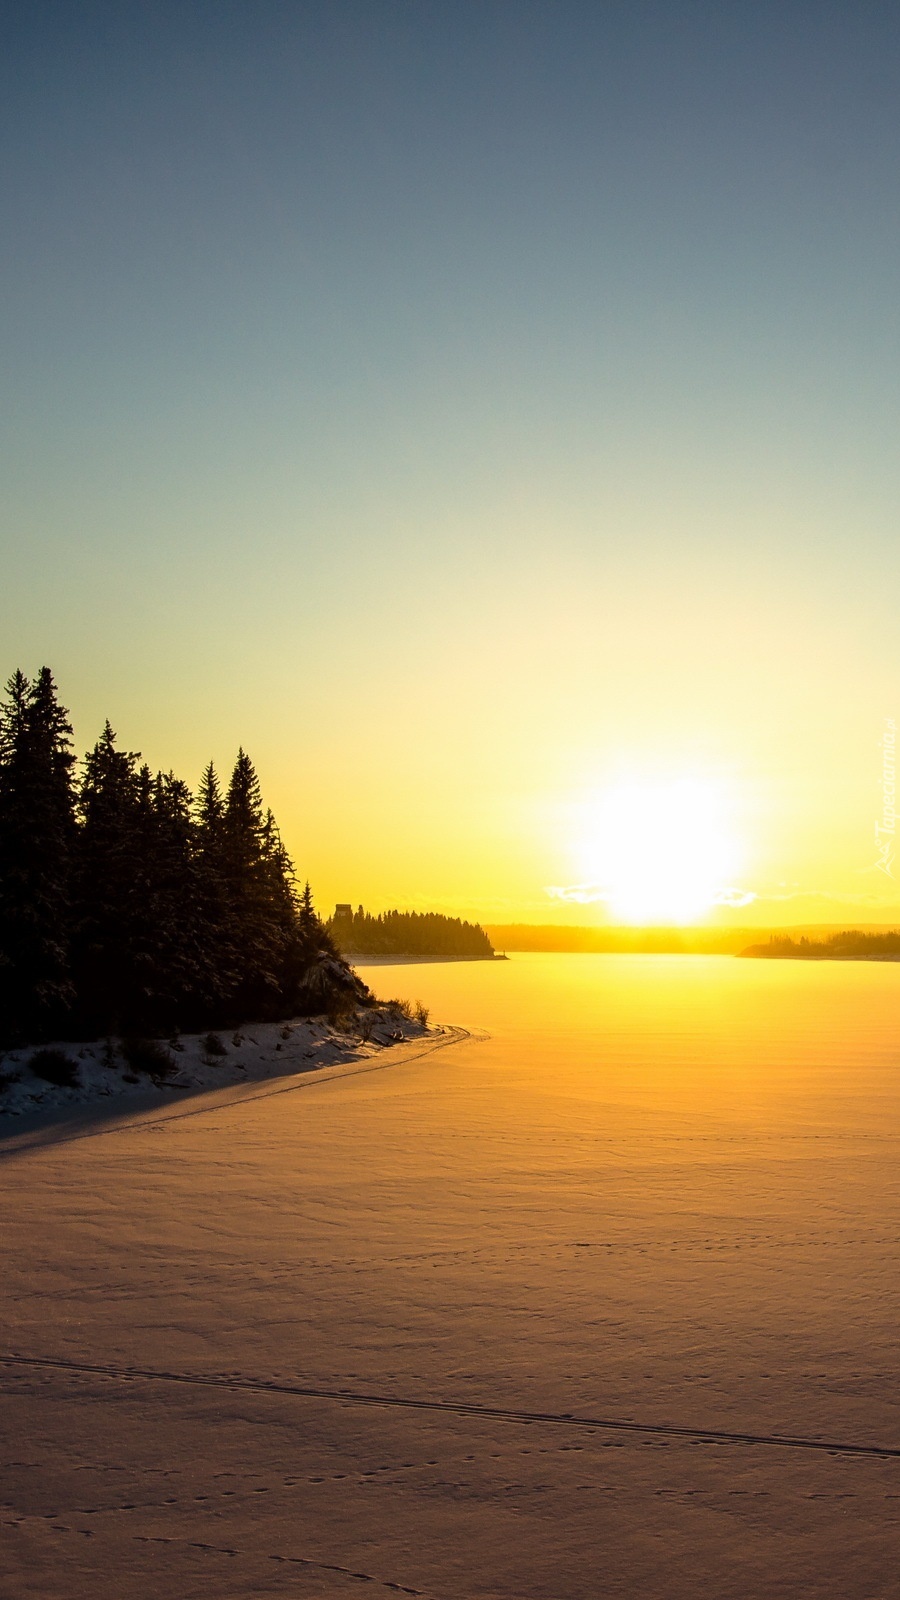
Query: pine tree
point(131, 906)
point(327, 981)
point(12, 717)
point(37, 839)
point(242, 825)
point(255, 934)
point(315, 940)
point(216, 921)
point(113, 952)
point(178, 980)
point(210, 808)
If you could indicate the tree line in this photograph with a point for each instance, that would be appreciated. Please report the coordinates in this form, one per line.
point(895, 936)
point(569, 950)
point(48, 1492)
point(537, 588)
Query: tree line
point(851, 945)
point(409, 933)
point(129, 904)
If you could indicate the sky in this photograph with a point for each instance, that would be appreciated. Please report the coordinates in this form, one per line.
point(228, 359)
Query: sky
point(484, 413)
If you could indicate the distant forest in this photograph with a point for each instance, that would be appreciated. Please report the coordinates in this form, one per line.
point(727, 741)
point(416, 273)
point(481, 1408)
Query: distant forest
point(128, 904)
point(810, 941)
point(408, 933)
point(852, 946)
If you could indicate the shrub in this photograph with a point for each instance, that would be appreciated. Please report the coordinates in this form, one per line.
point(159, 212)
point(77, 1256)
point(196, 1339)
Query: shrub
point(54, 1066)
point(342, 1021)
point(148, 1055)
point(402, 1008)
point(421, 1013)
point(212, 1045)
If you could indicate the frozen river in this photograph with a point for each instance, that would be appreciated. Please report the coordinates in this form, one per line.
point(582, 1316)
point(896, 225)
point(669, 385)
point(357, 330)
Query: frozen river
point(601, 1301)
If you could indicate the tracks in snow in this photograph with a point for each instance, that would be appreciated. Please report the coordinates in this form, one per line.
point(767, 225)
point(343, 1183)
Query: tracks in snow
point(58, 1526)
point(456, 1408)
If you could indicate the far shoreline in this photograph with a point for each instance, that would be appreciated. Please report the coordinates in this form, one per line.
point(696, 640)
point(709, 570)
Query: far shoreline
point(418, 961)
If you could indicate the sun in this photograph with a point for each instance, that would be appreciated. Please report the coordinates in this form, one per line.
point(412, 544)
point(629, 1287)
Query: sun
point(661, 852)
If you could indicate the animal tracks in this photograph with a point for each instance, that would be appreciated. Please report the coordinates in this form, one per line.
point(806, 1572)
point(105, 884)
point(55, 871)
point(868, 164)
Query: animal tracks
point(230, 1551)
point(458, 1408)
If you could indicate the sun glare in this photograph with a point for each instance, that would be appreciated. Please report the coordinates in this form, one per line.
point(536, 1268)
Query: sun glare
point(661, 852)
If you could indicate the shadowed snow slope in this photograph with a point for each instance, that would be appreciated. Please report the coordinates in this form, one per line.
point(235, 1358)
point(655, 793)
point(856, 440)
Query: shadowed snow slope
point(194, 1061)
point(590, 1305)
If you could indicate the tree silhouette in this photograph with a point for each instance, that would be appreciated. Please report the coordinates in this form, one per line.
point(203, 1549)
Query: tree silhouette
point(113, 914)
point(410, 933)
point(128, 905)
point(37, 839)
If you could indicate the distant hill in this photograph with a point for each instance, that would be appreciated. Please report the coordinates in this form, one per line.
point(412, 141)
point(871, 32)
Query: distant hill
point(408, 933)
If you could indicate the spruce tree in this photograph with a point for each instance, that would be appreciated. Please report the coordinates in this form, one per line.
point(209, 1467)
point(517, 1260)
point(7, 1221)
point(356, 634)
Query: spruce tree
point(327, 981)
point(185, 982)
point(132, 907)
point(37, 839)
point(215, 916)
point(113, 917)
point(282, 900)
point(210, 809)
point(255, 933)
point(315, 940)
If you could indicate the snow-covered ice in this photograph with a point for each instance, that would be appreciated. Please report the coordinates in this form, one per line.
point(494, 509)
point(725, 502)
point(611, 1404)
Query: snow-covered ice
point(599, 1300)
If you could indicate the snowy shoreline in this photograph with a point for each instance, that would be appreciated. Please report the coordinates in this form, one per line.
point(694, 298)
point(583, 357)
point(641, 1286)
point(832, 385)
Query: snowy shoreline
point(388, 960)
point(201, 1061)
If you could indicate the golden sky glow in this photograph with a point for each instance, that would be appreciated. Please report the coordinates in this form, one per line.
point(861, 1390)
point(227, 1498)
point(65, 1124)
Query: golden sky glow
point(467, 431)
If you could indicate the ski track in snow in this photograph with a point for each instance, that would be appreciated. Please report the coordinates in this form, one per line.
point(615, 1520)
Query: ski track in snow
point(459, 1408)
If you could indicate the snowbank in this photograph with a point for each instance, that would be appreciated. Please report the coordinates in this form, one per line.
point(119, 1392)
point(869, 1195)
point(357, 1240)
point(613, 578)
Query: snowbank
point(195, 1061)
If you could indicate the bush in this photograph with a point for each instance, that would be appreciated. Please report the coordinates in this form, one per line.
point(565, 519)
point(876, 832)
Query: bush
point(148, 1055)
point(212, 1045)
point(54, 1066)
point(421, 1013)
point(402, 1008)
